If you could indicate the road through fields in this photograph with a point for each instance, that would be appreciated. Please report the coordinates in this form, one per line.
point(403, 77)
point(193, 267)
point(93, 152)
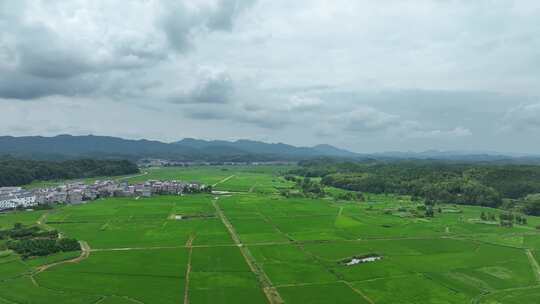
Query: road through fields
point(223, 180)
point(534, 264)
point(270, 291)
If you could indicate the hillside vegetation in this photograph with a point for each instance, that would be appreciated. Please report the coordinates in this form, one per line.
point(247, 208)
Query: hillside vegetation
point(435, 182)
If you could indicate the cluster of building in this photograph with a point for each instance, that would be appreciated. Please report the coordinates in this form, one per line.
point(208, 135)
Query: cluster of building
point(156, 162)
point(11, 197)
point(76, 193)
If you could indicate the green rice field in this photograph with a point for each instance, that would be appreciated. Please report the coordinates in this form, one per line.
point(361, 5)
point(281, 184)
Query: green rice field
point(253, 245)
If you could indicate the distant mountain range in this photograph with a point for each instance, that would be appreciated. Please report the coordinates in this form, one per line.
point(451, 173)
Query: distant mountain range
point(67, 147)
point(261, 148)
point(189, 149)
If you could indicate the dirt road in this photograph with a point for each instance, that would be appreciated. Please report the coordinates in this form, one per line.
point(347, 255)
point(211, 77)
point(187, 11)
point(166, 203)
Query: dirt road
point(85, 253)
point(270, 291)
point(223, 180)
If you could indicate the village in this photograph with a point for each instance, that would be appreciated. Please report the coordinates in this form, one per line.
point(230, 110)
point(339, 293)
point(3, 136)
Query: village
point(79, 192)
point(157, 162)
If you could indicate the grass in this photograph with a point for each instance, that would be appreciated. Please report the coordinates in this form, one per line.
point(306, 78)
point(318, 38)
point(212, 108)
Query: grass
point(139, 251)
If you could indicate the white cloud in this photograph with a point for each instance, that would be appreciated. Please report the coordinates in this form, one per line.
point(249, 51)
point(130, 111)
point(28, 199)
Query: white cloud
point(302, 102)
point(367, 119)
point(456, 132)
point(522, 118)
point(210, 87)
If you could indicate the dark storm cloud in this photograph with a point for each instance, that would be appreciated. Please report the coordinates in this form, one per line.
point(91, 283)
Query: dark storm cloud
point(22, 86)
point(43, 54)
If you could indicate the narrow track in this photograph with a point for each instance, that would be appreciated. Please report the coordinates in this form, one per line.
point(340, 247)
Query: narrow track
point(100, 300)
point(253, 188)
point(269, 290)
point(534, 264)
point(359, 292)
point(188, 269)
point(223, 180)
point(478, 298)
point(340, 211)
point(291, 241)
point(135, 248)
point(42, 222)
point(85, 253)
point(4, 300)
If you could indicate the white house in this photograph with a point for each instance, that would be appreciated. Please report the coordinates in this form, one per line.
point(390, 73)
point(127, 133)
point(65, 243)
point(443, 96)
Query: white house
point(14, 197)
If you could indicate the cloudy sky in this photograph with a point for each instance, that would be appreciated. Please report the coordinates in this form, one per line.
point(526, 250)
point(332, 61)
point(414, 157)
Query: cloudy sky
point(364, 75)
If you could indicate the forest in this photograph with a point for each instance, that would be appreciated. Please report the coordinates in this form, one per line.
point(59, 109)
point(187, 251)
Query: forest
point(480, 184)
point(14, 172)
point(32, 241)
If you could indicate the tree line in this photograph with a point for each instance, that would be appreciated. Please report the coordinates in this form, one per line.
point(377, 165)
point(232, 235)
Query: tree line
point(14, 172)
point(32, 241)
point(306, 187)
point(433, 181)
point(531, 204)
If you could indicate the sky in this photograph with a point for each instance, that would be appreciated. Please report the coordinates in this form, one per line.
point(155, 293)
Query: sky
point(369, 76)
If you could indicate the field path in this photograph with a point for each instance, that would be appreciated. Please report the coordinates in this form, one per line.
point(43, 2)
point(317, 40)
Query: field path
point(135, 248)
point(478, 298)
point(534, 264)
point(253, 188)
point(359, 292)
point(42, 219)
point(276, 227)
point(42, 222)
point(133, 300)
point(188, 269)
point(4, 300)
point(85, 253)
point(270, 291)
point(536, 270)
point(103, 298)
point(223, 180)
